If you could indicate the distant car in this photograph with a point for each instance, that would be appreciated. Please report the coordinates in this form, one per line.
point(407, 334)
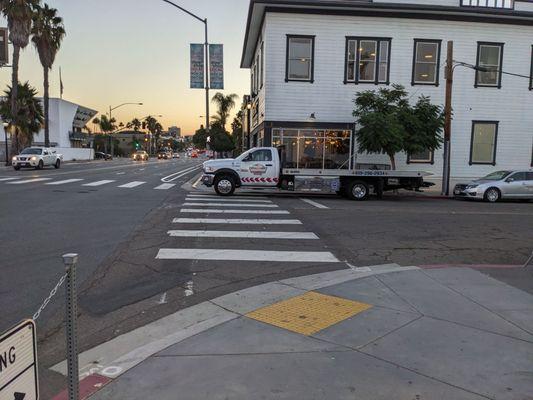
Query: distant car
point(194, 154)
point(37, 157)
point(517, 184)
point(140, 156)
point(102, 156)
point(175, 155)
point(164, 155)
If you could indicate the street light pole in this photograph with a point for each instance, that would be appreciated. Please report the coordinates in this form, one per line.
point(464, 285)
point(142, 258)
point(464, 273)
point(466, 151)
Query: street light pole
point(204, 21)
point(448, 122)
point(111, 109)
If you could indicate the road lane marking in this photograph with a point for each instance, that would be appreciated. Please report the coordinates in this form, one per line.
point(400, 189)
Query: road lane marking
point(8, 179)
point(247, 255)
point(243, 234)
point(63, 182)
point(177, 175)
point(230, 205)
point(221, 199)
point(236, 221)
point(216, 211)
point(29, 181)
point(315, 204)
point(132, 185)
point(195, 185)
point(165, 186)
point(98, 183)
point(214, 196)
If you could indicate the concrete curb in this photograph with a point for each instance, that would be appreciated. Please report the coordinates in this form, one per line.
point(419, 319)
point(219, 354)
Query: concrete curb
point(108, 361)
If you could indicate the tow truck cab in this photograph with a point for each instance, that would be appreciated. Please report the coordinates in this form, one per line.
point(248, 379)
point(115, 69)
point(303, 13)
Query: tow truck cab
point(264, 167)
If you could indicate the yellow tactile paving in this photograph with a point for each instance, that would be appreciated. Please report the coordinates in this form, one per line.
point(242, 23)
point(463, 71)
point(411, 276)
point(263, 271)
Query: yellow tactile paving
point(309, 313)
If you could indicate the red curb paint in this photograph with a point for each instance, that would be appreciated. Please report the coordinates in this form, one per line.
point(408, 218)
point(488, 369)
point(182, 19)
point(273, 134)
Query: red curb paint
point(475, 266)
point(88, 387)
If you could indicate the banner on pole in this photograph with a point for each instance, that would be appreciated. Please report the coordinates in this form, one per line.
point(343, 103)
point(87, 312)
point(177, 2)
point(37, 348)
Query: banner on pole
point(197, 66)
point(216, 66)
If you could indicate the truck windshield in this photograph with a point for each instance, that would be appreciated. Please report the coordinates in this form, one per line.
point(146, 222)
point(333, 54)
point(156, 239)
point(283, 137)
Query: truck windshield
point(32, 151)
point(496, 176)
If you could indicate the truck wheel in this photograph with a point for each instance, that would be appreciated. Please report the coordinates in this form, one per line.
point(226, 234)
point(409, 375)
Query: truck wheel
point(40, 166)
point(358, 190)
point(57, 165)
point(224, 185)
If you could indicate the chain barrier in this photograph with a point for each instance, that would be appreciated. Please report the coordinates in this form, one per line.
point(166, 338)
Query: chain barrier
point(49, 298)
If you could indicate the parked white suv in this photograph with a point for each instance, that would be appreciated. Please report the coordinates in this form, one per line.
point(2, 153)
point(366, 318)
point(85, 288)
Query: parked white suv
point(37, 157)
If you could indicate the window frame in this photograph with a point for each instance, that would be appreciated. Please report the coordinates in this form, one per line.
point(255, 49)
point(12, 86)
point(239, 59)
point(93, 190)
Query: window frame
point(531, 71)
point(312, 72)
point(262, 66)
point(438, 42)
point(358, 40)
point(497, 125)
point(487, 6)
point(500, 66)
point(430, 161)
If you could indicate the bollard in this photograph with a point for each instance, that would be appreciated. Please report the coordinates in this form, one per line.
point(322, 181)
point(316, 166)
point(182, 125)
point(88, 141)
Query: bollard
point(70, 261)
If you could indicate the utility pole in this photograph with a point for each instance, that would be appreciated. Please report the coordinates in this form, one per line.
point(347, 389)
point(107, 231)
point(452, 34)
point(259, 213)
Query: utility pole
point(448, 121)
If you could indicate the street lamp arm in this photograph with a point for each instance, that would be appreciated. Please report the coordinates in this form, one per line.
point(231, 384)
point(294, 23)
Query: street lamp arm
point(203, 20)
point(124, 104)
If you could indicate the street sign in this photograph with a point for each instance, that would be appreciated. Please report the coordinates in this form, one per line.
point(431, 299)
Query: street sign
point(18, 363)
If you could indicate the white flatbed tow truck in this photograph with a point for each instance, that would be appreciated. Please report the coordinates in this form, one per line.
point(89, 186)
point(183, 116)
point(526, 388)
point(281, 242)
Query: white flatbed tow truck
point(262, 168)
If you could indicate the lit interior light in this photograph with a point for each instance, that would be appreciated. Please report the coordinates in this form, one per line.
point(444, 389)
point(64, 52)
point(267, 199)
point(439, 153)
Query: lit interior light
point(428, 56)
point(425, 75)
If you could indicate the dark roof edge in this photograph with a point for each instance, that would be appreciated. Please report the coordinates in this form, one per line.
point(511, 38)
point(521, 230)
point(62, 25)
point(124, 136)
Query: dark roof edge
point(389, 10)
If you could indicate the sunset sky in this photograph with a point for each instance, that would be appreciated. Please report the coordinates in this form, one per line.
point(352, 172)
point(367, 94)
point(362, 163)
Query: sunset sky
point(119, 51)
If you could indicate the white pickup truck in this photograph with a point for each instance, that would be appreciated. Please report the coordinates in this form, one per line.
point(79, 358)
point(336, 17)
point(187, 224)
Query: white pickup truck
point(263, 168)
point(37, 157)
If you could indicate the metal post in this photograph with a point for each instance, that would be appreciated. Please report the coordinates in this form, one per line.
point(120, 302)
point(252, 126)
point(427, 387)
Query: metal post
point(448, 122)
point(70, 261)
point(207, 80)
point(7, 148)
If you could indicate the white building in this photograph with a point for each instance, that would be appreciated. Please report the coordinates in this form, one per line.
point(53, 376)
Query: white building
point(67, 121)
point(309, 58)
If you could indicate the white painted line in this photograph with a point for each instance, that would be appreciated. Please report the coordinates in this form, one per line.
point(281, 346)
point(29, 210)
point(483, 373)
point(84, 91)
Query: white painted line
point(165, 186)
point(216, 211)
point(195, 185)
point(236, 221)
point(121, 173)
point(230, 205)
point(29, 181)
point(247, 255)
point(222, 199)
point(244, 234)
point(63, 182)
point(177, 175)
point(98, 183)
point(8, 179)
point(315, 204)
point(214, 196)
point(132, 185)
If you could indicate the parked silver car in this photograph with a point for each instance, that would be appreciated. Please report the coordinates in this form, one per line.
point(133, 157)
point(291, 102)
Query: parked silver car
point(499, 185)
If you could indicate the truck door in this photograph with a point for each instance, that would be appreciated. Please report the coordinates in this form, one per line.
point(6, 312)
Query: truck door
point(259, 169)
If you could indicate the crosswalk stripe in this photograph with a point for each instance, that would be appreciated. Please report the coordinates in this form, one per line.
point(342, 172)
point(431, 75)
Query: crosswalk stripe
point(243, 234)
point(230, 205)
point(8, 179)
point(132, 185)
point(165, 186)
point(315, 204)
point(225, 200)
point(64, 182)
point(28, 181)
point(236, 221)
point(216, 211)
point(214, 196)
point(247, 255)
point(98, 183)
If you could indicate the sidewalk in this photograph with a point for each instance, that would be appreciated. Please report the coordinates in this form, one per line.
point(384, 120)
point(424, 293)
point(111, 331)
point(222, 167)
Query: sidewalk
point(383, 332)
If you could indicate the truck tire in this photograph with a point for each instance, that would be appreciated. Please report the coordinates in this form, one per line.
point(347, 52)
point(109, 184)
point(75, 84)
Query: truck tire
point(57, 165)
point(224, 185)
point(40, 165)
point(17, 168)
point(358, 190)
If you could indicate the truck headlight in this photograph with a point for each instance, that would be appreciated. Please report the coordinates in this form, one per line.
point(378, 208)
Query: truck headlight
point(34, 158)
point(14, 158)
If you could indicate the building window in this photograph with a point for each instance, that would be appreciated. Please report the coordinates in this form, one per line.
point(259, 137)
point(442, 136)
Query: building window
point(490, 58)
point(300, 58)
point(483, 142)
point(426, 62)
point(367, 60)
point(509, 4)
point(424, 157)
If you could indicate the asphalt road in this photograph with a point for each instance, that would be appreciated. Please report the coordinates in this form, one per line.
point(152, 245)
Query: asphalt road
point(133, 271)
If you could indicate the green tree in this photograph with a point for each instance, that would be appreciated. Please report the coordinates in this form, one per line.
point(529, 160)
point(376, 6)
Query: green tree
point(221, 141)
point(19, 15)
point(388, 124)
point(107, 126)
point(236, 131)
point(155, 128)
point(224, 106)
point(135, 124)
point(48, 32)
point(200, 138)
point(29, 117)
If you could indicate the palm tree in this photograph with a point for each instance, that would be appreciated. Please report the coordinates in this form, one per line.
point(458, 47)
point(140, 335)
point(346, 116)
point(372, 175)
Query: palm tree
point(48, 32)
point(19, 14)
point(29, 117)
point(224, 104)
point(135, 124)
point(107, 126)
